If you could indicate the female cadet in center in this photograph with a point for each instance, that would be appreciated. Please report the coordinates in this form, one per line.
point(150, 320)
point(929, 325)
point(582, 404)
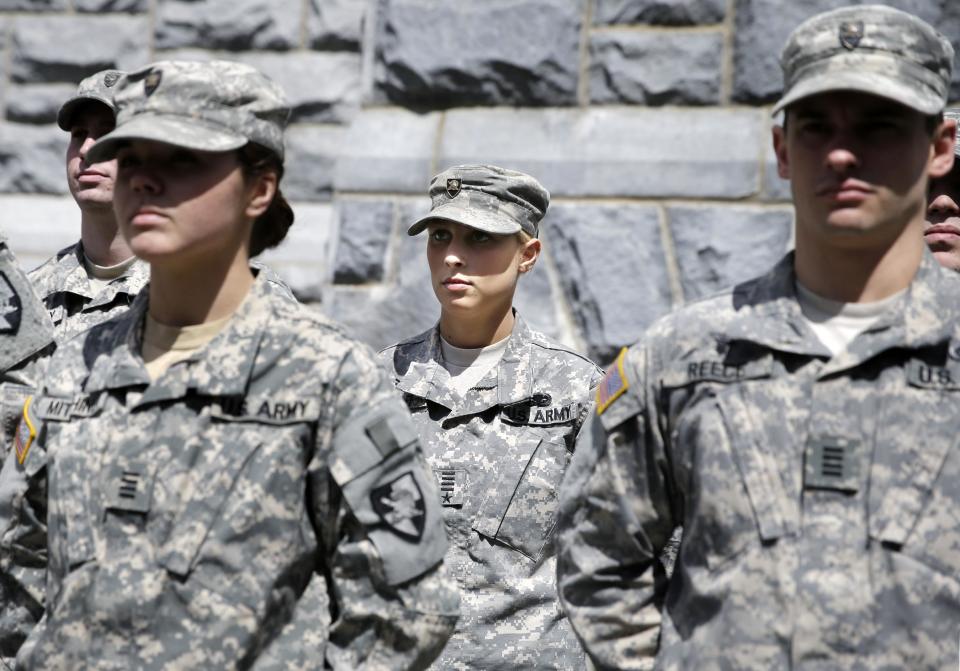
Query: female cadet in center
point(190, 465)
point(498, 407)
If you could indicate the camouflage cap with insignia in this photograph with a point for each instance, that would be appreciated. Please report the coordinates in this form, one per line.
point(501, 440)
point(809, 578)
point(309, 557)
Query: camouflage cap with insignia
point(98, 87)
point(871, 49)
point(207, 106)
point(488, 198)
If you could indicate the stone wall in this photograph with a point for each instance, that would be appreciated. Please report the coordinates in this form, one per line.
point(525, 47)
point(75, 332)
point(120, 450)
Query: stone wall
point(648, 120)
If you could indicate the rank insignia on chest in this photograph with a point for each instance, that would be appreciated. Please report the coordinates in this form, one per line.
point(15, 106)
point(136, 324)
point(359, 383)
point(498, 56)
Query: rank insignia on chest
point(613, 385)
point(26, 432)
point(453, 484)
point(399, 503)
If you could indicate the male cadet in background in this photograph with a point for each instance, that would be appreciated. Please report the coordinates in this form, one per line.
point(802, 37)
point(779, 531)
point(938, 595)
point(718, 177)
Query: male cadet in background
point(97, 277)
point(802, 427)
point(942, 233)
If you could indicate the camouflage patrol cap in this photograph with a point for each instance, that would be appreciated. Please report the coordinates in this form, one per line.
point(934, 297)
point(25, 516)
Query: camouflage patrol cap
point(98, 87)
point(207, 106)
point(871, 49)
point(954, 113)
point(488, 198)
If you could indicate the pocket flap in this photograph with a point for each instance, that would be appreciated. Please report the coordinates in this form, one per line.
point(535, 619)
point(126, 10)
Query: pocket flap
point(776, 515)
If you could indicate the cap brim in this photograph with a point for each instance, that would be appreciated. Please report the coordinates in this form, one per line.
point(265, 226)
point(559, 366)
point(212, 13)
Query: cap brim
point(69, 108)
point(827, 77)
point(180, 131)
point(482, 220)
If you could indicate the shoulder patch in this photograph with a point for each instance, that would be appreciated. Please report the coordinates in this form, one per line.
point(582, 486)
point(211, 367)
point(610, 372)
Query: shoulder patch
point(613, 385)
point(26, 432)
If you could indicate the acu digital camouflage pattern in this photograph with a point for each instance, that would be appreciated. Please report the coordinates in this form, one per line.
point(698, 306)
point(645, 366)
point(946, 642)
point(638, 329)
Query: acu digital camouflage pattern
point(26, 336)
point(787, 561)
point(74, 300)
point(230, 104)
point(182, 521)
point(77, 302)
point(872, 49)
point(486, 197)
point(499, 453)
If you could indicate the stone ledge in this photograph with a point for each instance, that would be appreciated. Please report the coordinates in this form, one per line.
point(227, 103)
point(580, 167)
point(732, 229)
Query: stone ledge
point(388, 150)
point(619, 152)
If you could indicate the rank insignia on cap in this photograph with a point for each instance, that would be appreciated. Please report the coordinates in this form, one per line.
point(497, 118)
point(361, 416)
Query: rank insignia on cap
point(110, 79)
point(152, 81)
point(26, 432)
point(453, 187)
point(613, 385)
point(851, 32)
point(399, 503)
point(10, 307)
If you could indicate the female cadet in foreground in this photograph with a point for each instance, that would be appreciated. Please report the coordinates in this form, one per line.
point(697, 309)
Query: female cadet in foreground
point(190, 491)
point(498, 407)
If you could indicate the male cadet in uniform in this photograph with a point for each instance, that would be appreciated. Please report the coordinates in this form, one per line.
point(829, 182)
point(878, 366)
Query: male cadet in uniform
point(802, 427)
point(97, 277)
point(942, 233)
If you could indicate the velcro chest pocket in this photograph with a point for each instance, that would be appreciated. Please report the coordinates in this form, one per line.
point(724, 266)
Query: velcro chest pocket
point(254, 440)
point(520, 508)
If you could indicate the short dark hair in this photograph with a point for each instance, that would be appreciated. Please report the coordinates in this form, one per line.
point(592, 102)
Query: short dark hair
point(271, 227)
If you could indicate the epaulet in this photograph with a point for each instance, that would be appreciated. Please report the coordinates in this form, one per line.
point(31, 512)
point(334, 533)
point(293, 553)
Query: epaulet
point(613, 385)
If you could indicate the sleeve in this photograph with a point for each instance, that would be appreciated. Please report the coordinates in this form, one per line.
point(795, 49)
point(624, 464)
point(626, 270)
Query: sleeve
point(23, 535)
point(381, 528)
point(614, 521)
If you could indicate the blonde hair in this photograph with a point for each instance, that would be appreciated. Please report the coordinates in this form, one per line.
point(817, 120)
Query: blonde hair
point(524, 237)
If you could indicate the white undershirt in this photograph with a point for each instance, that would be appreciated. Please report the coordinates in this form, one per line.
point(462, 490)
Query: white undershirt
point(837, 323)
point(468, 366)
point(101, 276)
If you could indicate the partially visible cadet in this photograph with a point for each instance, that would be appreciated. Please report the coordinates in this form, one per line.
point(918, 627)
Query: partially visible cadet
point(803, 426)
point(26, 337)
point(498, 407)
point(942, 233)
point(182, 499)
point(98, 276)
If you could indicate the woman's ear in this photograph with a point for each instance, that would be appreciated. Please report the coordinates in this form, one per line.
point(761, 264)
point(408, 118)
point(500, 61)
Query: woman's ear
point(263, 187)
point(529, 254)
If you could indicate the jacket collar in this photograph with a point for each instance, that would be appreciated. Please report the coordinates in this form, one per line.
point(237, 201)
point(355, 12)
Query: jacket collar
point(768, 313)
point(426, 377)
point(222, 367)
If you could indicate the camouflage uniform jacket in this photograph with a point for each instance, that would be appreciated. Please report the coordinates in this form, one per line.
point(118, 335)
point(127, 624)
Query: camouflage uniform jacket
point(74, 301)
point(819, 496)
point(185, 517)
point(26, 337)
point(499, 453)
